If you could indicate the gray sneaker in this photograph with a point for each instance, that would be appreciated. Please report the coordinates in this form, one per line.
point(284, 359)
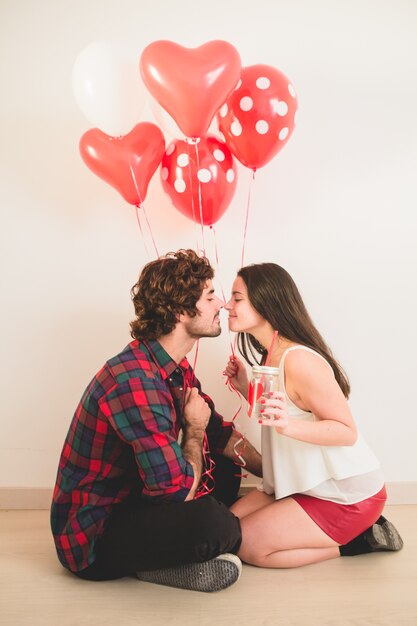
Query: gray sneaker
point(213, 575)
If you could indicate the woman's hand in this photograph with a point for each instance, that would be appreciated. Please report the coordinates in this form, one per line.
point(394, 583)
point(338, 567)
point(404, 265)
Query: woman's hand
point(274, 411)
point(236, 372)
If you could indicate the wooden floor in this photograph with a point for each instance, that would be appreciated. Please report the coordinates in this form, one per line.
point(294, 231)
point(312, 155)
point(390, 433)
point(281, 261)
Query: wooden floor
point(378, 589)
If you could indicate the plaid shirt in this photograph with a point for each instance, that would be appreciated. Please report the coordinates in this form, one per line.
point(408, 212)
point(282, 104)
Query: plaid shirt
point(123, 444)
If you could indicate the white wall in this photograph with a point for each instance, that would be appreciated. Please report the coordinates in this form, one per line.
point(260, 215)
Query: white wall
point(337, 208)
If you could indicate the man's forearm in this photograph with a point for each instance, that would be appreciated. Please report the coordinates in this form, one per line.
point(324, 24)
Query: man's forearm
point(238, 446)
point(192, 449)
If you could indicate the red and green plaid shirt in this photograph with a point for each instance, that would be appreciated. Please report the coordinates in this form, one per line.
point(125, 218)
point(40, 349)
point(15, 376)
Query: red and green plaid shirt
point(123, 444)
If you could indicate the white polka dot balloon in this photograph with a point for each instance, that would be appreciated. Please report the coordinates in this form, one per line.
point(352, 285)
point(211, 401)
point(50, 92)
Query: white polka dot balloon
point(199, 178)
point(259, 116)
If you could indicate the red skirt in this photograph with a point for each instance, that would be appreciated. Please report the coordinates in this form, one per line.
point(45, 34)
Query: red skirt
point(343, 522)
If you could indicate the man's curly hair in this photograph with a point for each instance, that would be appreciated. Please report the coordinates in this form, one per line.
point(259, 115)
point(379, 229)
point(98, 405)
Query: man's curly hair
point(166, 288)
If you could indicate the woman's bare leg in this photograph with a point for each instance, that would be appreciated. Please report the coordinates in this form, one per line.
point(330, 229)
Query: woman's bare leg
point(281, 534)
point(253, 501)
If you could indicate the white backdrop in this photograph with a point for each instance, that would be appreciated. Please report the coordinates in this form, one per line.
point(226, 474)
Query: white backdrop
point(336, 208)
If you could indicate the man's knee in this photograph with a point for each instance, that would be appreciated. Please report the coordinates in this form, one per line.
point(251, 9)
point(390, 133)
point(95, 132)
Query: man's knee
point(219, 529)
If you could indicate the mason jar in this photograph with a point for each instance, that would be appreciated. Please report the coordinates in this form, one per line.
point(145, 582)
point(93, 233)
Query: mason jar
point(264, 380)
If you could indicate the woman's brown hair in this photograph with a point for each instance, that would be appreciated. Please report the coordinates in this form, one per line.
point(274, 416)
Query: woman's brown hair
point(167, 287)
point(274, 294)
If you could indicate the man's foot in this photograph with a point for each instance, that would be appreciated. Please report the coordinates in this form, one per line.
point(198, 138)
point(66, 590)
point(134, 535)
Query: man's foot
point(380, 537)
point(213, 575)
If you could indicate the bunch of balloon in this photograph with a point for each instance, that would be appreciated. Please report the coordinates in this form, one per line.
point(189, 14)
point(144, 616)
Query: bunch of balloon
point(121, 151)
point(189, 86)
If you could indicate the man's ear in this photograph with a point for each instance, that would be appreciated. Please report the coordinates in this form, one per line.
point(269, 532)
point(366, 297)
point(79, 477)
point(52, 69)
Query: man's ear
point(182, 316)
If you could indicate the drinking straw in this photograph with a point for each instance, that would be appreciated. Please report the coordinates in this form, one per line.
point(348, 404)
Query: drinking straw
point(271, 347)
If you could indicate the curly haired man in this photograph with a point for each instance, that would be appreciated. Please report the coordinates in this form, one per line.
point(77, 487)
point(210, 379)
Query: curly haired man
point(146, 473)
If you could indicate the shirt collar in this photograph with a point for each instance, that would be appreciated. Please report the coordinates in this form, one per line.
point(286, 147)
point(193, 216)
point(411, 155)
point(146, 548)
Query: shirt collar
point(165, 363)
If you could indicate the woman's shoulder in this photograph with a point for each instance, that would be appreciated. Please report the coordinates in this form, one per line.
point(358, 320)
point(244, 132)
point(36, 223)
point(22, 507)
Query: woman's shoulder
point(301, 359)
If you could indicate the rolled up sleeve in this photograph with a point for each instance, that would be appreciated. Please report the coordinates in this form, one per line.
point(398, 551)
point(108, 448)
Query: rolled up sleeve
point(142, 414)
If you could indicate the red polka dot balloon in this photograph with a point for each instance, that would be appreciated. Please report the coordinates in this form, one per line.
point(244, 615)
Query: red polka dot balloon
point(258, 118)
point(200, 178)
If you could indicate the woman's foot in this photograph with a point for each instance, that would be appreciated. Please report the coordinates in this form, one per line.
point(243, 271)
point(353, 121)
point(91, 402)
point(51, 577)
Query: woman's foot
point(380, 537)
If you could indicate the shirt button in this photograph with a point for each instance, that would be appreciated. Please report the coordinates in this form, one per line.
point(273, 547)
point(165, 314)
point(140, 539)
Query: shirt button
point(181, 388)
point(170, 380)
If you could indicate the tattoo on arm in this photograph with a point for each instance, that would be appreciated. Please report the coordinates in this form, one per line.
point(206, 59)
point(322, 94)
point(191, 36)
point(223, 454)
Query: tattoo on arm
point(250, 455)
point(192, 447)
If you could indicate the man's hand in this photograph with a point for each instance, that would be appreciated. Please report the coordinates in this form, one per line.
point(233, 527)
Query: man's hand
point(196, 411)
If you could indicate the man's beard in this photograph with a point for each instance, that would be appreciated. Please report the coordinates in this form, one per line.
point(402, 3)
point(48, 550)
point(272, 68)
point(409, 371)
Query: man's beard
point(196, 333)
point(214, 332)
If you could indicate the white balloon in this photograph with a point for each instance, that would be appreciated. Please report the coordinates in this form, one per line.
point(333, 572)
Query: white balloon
point(108, 87)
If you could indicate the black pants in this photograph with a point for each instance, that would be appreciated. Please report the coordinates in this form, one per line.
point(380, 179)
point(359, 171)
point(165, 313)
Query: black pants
point(153, 536)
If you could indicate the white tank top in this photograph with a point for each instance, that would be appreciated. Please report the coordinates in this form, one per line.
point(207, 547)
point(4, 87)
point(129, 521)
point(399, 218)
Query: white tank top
point(344, 474)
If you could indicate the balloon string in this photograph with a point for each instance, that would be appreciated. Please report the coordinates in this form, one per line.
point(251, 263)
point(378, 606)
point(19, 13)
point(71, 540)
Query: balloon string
point(238, 460)
point(233, 389)
point(229, 384)
point(150, 230)
point(232, 344)
point(192, 197)
point(200, 200)
point(196, 354)
point(135, 183)
point(247, 216)
point(137, 208)
point(140, 206)
point(216, 254)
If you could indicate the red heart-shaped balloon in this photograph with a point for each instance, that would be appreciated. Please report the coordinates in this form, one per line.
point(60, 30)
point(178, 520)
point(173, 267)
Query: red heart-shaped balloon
point(126, 163)
point(190, 83)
